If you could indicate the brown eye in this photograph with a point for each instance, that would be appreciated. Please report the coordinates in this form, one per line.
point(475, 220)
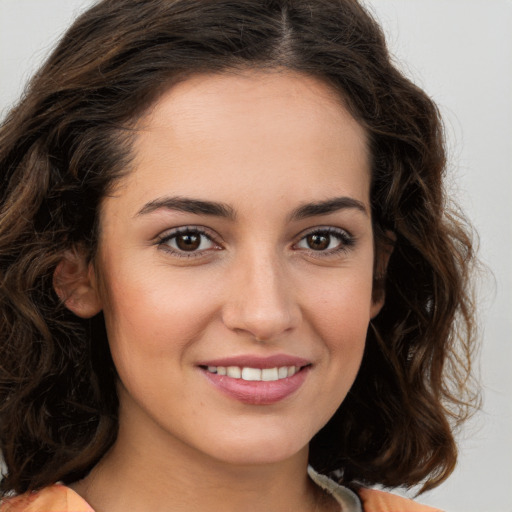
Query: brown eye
point(326, 240)
point(318, 242)
point(188, 241)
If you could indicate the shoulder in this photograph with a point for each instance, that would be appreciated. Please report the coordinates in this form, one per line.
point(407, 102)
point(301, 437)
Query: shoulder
point(366, 500)
point(55, 498)
point(380, 501)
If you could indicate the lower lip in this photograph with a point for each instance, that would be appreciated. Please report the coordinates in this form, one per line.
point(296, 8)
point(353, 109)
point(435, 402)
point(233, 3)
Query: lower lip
point(258, 392)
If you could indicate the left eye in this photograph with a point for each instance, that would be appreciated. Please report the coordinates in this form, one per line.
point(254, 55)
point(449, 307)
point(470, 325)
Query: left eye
point(188, 241)
point(324, 240)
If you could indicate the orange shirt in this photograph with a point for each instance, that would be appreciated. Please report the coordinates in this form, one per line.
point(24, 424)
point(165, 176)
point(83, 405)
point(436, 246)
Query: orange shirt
point(55, 498)
point(59, 498)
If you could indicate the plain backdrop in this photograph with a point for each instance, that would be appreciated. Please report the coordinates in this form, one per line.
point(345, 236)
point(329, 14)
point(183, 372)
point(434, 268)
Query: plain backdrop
point(460, 52)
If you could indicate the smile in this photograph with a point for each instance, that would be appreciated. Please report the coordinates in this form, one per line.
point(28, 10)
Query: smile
point(256, 380)
point(255, 374)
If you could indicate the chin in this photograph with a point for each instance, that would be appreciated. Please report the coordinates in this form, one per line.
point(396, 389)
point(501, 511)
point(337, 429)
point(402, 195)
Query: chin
point(258, 449)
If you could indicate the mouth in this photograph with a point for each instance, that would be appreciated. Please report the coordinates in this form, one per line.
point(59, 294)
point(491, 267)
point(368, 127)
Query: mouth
point(248, 373)
point(255, 380)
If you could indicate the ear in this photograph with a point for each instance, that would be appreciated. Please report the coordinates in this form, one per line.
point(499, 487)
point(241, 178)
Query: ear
point(383, 250)
point(75, 283)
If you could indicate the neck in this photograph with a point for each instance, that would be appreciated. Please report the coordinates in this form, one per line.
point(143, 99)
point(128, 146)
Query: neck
point(160, 474)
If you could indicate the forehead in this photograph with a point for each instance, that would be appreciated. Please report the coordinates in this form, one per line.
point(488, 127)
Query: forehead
point(250, 132)
point(246, 98)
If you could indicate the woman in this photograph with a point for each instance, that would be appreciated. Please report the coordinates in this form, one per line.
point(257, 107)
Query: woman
point(225, 257)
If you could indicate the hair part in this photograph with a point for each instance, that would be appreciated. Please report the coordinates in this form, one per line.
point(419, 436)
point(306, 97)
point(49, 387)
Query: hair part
point(66, 144)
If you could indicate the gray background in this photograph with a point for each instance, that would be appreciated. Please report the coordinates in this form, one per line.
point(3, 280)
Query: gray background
point(460, 52)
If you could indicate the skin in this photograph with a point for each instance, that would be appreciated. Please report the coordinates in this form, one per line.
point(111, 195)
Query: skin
point(264, 144)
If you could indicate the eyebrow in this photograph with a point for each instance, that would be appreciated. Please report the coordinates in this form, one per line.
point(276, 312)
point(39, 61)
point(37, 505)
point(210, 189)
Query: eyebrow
point(201, 207)
point(184, 204)
point(328, 206)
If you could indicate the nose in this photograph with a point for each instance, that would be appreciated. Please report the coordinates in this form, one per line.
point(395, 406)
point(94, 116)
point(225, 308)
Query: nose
point(261, 300)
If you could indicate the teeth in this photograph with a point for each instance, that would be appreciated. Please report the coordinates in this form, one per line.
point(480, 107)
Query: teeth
point(255, 374)
point(269, 374)
point(282, 372)
point(251, 374)
point(233, 372)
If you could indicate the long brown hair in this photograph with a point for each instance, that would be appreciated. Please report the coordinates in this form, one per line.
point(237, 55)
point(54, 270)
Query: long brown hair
point(68, 141)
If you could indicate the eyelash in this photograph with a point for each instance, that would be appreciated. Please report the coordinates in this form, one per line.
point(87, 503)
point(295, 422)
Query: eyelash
point(346, 241)
point(163, 241)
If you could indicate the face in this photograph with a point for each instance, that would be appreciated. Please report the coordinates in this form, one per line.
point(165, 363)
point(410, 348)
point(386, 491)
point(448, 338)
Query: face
point(235, 266)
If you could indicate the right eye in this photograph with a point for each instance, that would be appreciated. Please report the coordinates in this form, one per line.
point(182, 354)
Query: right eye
point(187, 242)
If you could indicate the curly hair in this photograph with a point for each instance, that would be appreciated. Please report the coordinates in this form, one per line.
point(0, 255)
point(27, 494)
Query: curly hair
point(68, 141)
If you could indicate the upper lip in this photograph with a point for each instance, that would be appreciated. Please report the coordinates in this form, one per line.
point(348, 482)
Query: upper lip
point(254, 361)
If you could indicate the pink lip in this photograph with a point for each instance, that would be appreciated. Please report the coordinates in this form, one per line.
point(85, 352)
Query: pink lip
point(258, 392)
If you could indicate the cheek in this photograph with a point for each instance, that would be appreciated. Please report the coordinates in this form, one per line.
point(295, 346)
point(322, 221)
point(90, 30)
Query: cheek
point(150, 325)
point(340, 314)
point(342, 305)
point(148, 314)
